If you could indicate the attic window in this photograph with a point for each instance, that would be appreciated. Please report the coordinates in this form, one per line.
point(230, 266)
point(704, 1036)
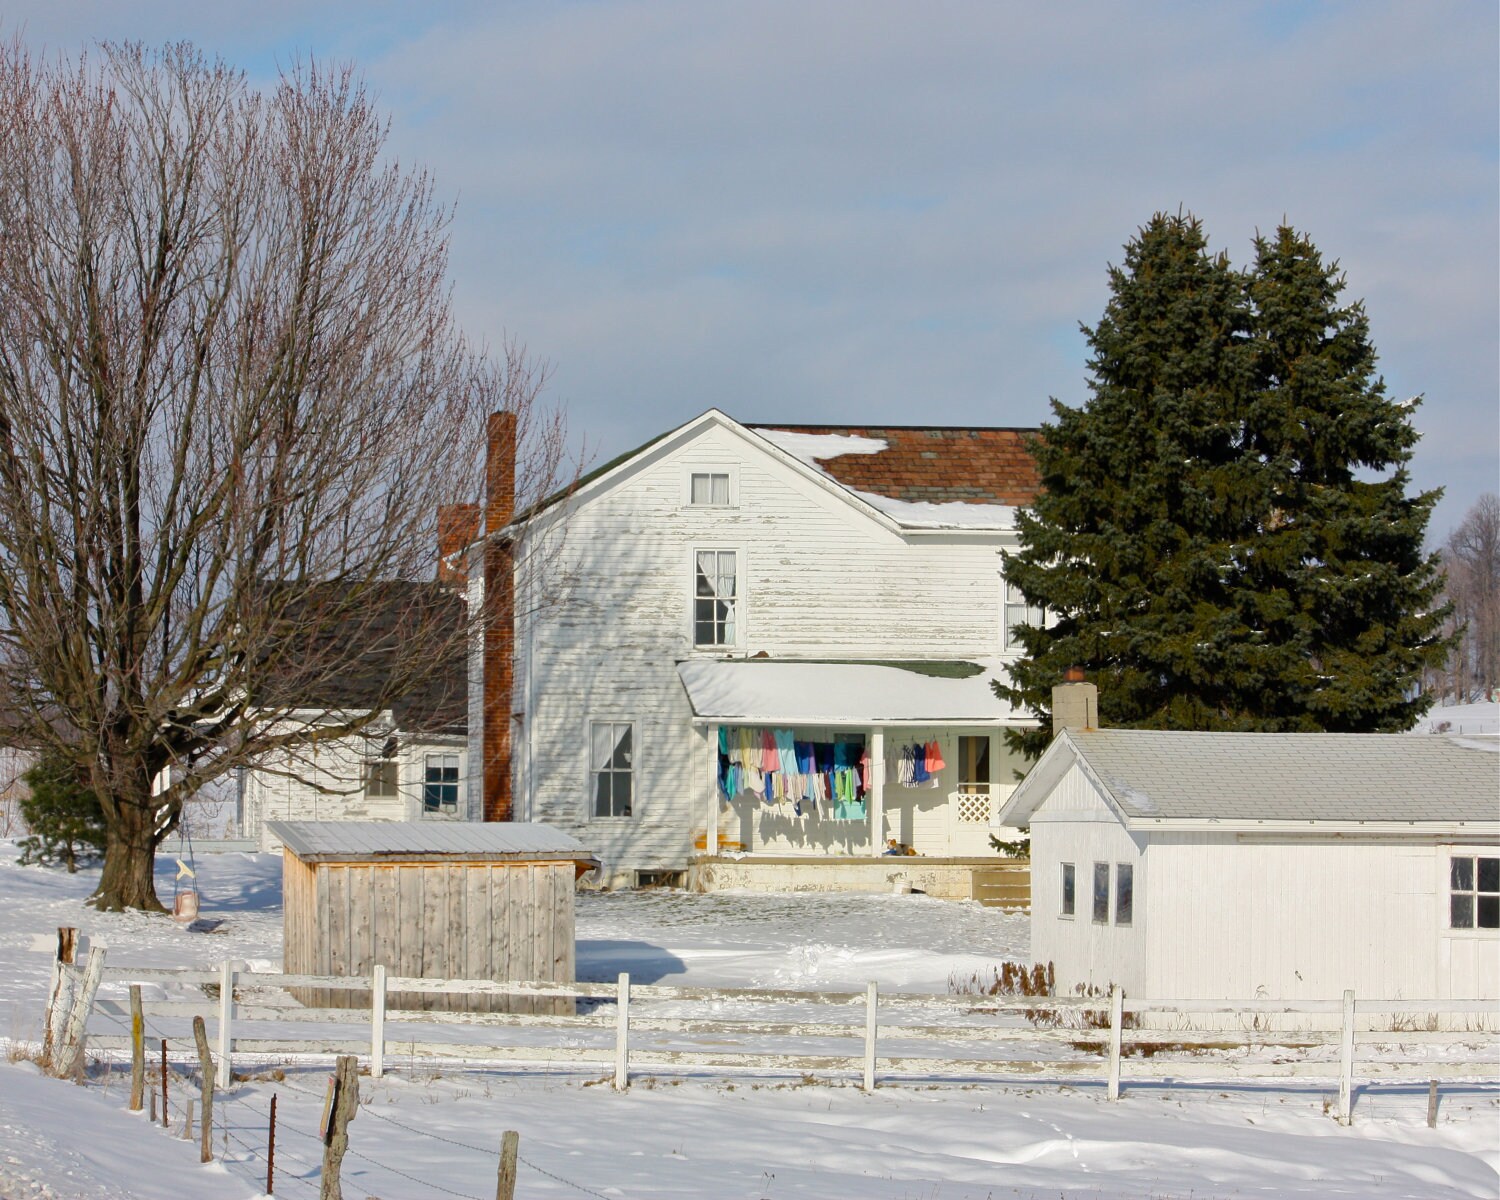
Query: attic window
point(709, 489)
point(1474, 895)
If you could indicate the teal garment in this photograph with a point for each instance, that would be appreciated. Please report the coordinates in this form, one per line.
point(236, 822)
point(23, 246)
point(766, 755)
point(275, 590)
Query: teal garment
point(786, 750)
point(723, 740)
point(849, 810)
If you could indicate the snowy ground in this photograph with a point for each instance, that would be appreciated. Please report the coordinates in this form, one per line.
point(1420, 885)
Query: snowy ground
point(433, 1132)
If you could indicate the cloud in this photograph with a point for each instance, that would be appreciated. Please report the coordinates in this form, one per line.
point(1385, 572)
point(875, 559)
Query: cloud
point(901, 213)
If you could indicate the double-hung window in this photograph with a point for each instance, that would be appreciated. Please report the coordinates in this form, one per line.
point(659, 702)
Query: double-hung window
point(1473, 891)
point(1017, 612)
point(440, 785)
point(612, 767)
point(381, 778)
point(716, 598)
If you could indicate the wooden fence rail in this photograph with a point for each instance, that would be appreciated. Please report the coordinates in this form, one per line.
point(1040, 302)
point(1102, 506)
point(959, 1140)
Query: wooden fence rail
point(644, 1031)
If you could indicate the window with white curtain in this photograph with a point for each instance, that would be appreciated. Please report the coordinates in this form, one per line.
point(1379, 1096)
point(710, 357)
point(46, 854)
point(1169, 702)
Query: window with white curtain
point(612, 767)
point(716, 597)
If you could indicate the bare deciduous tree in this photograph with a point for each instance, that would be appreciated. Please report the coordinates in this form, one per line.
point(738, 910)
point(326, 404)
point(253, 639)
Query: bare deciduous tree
point(1471, 560)
point(232, 398)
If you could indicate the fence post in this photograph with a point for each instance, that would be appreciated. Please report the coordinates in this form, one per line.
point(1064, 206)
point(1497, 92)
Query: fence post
point(67, 944)
point(75, 1029)
point(137, 1050)
point(622, 1032)
point(377, 1021)
point(1432, 1101)
point(871, 1002)
point(1346, 1061)
point(336, 1140)
point(226, 1017)
point(1116, 1025)
point(206, 1065)
point(510, 1148)
point(271, 1151)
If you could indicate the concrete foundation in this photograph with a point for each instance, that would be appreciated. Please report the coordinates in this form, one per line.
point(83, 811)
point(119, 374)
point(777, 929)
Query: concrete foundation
point(997, 883)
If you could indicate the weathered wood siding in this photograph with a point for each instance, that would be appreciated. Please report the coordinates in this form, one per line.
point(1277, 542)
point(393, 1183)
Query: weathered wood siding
point(438, 920)
point(326, 782)
point(816, 578)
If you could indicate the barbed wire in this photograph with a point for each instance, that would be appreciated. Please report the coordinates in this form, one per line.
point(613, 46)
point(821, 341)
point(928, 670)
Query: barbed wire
point(485, 1150)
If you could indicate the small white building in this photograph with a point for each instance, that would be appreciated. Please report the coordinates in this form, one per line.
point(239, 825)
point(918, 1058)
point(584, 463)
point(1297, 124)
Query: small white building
point(1230, 865)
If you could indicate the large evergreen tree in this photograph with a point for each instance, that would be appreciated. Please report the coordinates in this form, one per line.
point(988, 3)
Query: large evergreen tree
point(1209, 542)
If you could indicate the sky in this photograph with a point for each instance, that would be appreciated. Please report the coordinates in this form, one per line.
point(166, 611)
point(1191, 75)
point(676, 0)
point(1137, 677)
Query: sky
point(875, 212)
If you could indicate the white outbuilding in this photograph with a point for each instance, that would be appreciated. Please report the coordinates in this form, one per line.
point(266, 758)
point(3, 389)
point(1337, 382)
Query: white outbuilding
point(1226, 865)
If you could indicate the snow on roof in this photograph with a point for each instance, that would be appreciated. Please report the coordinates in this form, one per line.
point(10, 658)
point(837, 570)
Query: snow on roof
point(780, 692)
point(816, 449)
point(323, 841)
point(1156, 775)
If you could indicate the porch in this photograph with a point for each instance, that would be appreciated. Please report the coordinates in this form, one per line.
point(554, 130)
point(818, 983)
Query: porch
point(994, 882)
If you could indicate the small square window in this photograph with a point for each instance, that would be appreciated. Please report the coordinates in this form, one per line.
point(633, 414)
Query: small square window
point(1474, 892)
point(1068, 890)
point(709, 489)
point(1101, 893)
point(380, 779)
point(1124, 893)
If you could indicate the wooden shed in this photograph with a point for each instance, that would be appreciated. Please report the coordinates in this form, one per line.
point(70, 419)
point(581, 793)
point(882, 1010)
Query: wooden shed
point(436, 900)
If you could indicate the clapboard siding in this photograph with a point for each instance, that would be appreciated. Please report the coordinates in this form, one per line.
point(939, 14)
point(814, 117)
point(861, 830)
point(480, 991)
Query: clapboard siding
point(818, 578)
point(326, 782)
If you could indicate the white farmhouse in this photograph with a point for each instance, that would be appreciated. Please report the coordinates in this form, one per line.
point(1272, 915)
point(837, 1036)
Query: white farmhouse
point(1229, 865)
point(740, 644)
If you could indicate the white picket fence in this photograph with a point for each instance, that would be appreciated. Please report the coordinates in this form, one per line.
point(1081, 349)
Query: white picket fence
point(1086, 1036)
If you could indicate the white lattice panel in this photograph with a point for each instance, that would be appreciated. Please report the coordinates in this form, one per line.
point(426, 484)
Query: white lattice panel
point(973, 808)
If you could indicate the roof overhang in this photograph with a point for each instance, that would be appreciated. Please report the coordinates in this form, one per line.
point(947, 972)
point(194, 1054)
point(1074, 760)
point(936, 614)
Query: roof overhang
point(841, 694)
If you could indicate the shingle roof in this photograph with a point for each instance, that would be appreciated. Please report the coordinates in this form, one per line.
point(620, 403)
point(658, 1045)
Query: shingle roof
point(1339, 777)
point(325, 841)
point(934, 464)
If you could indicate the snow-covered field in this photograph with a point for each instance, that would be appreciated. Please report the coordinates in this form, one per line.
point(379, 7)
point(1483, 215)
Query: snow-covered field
point(435, 1132)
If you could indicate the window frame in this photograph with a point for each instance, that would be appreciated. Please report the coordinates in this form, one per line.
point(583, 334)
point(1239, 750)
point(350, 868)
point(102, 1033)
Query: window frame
point(441, 810)
point(1011, 599)
point(1067, 900)
point(1474, 892)
point(1124, 894)
point(729, 471)
point(982, 752)
point(375, 769)
point(1101, 874)
point(736, 622)
point(630, 771)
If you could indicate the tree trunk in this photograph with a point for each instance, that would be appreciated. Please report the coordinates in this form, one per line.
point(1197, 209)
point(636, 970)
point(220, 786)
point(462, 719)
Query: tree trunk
point(129, 880)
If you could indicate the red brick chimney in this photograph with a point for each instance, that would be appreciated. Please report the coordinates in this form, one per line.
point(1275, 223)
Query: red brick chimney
point(499, 615)
point(457, 527)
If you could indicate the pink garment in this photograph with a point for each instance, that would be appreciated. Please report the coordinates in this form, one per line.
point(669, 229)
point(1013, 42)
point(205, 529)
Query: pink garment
point(769, 759)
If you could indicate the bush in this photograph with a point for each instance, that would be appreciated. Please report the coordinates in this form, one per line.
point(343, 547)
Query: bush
point(64, 816)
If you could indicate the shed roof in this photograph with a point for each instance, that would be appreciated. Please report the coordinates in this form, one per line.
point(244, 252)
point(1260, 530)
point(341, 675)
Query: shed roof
point(1160, 777)
point(347, 841)
point(763, 691)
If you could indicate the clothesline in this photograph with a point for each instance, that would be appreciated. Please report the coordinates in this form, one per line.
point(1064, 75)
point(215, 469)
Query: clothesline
point(818, 779)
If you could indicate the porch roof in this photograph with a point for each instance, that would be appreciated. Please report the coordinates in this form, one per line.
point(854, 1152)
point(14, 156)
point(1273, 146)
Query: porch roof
point(759, 691)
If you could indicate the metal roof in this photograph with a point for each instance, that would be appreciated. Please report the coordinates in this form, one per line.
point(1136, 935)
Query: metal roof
point(1159, 776)
point(803, 692)
point(328, 841)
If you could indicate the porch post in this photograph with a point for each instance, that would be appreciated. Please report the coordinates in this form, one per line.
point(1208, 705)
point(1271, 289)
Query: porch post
point(711, 840)
point(877, 790)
